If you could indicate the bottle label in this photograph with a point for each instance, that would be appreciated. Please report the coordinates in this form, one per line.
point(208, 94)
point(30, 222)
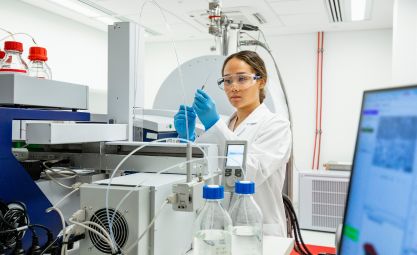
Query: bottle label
point(13, 70)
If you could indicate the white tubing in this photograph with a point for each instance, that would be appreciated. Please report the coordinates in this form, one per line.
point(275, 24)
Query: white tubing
point(148, 228)
point(110, 220)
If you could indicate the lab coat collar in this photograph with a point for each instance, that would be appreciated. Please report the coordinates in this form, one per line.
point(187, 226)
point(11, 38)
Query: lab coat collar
point(253, 118)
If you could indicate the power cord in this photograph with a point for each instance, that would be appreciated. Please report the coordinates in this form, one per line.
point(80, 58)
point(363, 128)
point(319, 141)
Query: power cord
point(300, 246)
point(13, 224)
point(18, 250)
point(35, 249)
point(35, 239)
point(14, 221)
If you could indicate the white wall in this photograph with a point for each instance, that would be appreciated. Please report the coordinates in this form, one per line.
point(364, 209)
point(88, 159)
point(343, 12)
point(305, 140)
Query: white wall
point(160, 61)
point(404, 54)
point(77, 53)
point(353, 62)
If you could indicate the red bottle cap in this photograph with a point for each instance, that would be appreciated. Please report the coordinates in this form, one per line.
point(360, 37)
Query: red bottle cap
point(37, 53)
point(12, 45)
point(2, 54)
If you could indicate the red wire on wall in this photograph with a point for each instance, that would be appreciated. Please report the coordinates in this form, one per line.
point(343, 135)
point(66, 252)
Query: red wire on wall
point(319, 101)
point(317, 98)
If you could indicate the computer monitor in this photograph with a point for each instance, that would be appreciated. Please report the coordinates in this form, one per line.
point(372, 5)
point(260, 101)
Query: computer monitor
point(381, 211)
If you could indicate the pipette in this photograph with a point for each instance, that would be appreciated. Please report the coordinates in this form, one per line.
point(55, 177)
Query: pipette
point(205, 82)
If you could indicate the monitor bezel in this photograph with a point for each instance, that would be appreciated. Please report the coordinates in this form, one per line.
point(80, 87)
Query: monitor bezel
point(366, 92)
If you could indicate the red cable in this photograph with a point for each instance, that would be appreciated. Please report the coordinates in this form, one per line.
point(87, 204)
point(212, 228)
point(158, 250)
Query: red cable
point(321, 99)
point(317, 94)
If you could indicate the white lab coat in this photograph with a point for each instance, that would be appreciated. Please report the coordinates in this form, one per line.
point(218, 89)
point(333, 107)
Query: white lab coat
point(269, 145)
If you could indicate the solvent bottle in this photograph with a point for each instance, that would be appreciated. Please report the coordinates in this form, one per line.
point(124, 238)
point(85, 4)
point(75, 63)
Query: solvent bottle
point(38, 66)
point(13, 62)
point(212, 226)
point(247, 220)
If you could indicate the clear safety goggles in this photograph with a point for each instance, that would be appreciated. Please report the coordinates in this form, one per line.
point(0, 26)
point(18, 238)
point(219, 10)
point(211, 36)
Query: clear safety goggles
point(241, 80)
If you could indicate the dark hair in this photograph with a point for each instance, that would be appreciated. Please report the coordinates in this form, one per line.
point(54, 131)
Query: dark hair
point(255, 61)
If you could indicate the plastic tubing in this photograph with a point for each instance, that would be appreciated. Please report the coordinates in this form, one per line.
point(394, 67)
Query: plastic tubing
point(154, 2)
point(57, 182)
point(164, 170)
point(148, 228)
point(12, 36)
point(7, 31)
point(118, 167)
point(165, 202)
point(105, 236)
point(65, 197)
point(54, 208)
point(144, 181)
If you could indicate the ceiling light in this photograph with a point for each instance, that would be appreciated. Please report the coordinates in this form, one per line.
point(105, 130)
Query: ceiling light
point(360, 9)
point(78, 7)
point(87, 10)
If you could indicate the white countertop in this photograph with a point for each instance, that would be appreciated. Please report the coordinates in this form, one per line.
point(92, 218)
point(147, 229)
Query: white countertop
point(274, 246)
point(318, 238)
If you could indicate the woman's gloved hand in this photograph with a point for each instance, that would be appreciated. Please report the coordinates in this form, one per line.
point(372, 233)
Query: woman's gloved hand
point(180, 122)
point(205, 108)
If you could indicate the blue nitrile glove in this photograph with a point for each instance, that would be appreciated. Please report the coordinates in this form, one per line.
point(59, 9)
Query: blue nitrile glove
point(205, 108)
point(180, 122)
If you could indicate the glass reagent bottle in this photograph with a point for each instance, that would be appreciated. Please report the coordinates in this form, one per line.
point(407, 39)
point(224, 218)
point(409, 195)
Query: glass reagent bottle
point(247, 219)
point(212, 226)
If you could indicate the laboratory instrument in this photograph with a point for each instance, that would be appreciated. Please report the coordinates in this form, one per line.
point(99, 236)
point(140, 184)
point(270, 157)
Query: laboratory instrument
point(247, 220)
point(213, 224)
point(171, 232)
point(22, 90)
point(235, 164)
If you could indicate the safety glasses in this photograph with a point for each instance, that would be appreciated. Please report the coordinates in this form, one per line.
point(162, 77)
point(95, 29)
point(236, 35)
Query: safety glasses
point(241, 80)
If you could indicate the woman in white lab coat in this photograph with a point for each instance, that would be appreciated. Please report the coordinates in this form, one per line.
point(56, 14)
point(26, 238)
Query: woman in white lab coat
point(244, 77)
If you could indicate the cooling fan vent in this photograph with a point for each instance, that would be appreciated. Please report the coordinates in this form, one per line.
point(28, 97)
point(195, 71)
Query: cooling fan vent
point(119, 227)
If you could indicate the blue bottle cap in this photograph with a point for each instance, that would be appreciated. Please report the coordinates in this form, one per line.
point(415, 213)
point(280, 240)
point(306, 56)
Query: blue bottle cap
point(245, 187)
point(213, 192)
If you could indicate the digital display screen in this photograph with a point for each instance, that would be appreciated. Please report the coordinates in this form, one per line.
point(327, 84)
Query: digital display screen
point(381, 216)
point(235, 155)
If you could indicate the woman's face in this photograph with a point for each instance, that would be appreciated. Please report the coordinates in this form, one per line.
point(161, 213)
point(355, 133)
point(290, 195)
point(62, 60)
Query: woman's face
point(240, 87)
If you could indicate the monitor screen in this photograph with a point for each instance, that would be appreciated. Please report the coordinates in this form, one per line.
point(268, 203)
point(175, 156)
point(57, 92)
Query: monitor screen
point(381, 212)
point(235, 153)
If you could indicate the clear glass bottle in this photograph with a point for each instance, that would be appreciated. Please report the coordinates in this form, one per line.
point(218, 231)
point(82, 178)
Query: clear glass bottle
point(212, 226)
point(13, 62)
point(37, 66)
point(247, 230)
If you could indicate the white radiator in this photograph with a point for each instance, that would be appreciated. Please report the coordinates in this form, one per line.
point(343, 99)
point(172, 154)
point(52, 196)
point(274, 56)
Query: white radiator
point(322, 198)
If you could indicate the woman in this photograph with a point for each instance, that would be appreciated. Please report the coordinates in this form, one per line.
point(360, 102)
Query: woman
point(244, 77)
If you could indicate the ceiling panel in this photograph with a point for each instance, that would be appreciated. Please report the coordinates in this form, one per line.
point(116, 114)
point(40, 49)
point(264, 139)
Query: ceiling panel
point(152, 15)
point(282, 16)
point(305, 19)
point(298, 7)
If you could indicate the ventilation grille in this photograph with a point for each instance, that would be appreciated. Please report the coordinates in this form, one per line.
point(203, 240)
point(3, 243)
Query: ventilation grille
point(334, 10)
point(328, 203)
point(119, 227)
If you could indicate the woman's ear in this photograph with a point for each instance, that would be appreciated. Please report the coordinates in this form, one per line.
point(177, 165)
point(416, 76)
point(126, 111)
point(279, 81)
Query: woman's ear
point(262, 83)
